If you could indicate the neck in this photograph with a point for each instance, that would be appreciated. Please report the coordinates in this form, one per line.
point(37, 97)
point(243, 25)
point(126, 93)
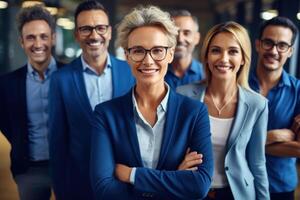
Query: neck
point(150, 96)
point(41, 68)
point(222, 89)
point(268, 79)
point(97, 63)
point(179, 66)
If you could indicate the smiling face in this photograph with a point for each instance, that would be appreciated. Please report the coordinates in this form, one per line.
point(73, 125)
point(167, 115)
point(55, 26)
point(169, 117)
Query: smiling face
point(149, 71)
point(37, 41)
point(94, 45)
point(188, 36)
point(224, 56)
point(272, 60)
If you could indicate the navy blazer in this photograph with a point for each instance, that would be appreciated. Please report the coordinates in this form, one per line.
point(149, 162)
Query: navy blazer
point(13, 117)
point(70, 125)
point(245, 162)
point(114, 140)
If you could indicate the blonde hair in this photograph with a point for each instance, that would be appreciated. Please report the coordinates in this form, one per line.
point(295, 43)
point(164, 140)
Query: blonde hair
point(146, 16)
point(242, 37)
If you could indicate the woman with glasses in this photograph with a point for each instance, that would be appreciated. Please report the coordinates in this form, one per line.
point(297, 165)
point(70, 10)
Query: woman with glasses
point(238, 116)
point(147, 143)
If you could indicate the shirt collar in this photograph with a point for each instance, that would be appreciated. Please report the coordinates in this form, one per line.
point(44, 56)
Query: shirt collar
point(50, 69)
point(284, 79)
point(193, 68)
point(86, 66)
point(163, 104)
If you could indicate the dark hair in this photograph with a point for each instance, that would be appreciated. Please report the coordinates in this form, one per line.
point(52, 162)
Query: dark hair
point(279, 21)
point(88, 5)
point(37, 12)
point(184, 13)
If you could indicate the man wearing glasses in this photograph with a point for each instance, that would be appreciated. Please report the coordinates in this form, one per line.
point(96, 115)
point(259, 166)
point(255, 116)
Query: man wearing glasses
point(94, 77)
point(274, 47)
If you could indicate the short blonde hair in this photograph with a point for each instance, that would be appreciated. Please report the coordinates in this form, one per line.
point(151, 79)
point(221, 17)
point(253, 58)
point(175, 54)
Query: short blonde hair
point(146, 16)
point(242, 37)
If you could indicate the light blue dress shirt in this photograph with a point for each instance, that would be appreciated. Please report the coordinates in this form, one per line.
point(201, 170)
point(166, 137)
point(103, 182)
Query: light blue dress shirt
point(99, 88)
point(37, 111)
point(149, 138)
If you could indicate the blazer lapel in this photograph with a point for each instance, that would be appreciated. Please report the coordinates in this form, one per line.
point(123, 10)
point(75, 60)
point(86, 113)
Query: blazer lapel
point(114, 76)
point(21, 93)
point(131, 129)
point(240, 119)
point(171, 116)
point(80, 85)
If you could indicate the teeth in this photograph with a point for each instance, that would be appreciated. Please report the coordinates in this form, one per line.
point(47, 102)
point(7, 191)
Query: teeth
point(95, 43)
point(148, 71)
point(38, 51)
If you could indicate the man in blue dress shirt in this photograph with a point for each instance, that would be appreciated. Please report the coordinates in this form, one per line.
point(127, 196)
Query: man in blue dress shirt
point(184, 69)
point(274, 47)
point(93, 78)
point(24, 105)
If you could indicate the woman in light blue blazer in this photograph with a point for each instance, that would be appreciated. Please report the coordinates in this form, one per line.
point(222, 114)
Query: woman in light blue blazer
point(139, 141)
point(238, 116)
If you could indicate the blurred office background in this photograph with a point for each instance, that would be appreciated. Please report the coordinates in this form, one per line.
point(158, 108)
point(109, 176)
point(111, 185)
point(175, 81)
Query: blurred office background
point(249, 13)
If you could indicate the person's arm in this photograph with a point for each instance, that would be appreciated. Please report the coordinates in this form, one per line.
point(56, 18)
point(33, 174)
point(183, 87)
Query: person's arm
point(58, 139)
point(290, 145)
point(183, 184)
point(279, 135)
point(177, 184)
point(102, 164)
point(255, 154)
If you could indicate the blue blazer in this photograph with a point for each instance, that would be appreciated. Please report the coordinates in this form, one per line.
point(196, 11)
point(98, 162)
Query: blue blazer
point(245, 164)
point(114, 140)
point(13, 117)
point(70, 124)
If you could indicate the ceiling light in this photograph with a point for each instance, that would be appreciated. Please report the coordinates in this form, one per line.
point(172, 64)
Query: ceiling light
point(268, 14)
point(3, 4)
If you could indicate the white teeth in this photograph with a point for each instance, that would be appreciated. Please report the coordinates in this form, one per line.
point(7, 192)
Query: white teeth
point(148, 71)
point(38, 51)
point(95, 43)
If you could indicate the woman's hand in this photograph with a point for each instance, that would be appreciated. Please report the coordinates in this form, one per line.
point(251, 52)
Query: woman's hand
point(123, 172)
point(191, 160)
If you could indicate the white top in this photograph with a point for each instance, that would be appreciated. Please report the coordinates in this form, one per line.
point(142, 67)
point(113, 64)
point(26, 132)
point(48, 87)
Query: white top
point(220, 128)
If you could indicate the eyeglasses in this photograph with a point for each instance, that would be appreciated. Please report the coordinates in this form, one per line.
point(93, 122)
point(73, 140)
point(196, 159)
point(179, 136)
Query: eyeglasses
point(87, 30)
point(157, 53)
point(281, 47)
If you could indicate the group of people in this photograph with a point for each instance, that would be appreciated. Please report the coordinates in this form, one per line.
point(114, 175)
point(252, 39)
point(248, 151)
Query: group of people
point(161, 125)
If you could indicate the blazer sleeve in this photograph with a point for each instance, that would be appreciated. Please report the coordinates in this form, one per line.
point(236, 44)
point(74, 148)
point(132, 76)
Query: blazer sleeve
point(102, 164)
point(58, 145)
point(256, 155)
point(183, 184)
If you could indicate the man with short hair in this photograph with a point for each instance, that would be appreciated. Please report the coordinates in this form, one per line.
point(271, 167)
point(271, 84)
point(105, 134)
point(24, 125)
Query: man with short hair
point(274, 47)
point(94, 77)
point(24, 105)
point(184, 69)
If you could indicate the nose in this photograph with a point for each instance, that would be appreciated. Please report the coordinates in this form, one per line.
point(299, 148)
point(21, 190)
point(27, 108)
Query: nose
point(94, 34)
point(37, 42)
point(148, 59)
point(224, 57)
point(180, 36)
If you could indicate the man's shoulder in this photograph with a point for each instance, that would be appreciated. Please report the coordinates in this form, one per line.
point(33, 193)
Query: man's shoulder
point(117, 62)
point(15, 73)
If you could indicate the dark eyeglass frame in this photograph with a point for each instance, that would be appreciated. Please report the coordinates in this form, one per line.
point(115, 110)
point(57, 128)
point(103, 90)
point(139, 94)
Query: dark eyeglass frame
point(272, 44)
point(146, 52)
point(90, 29)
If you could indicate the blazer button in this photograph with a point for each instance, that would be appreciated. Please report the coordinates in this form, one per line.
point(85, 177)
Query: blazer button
point(226, 168)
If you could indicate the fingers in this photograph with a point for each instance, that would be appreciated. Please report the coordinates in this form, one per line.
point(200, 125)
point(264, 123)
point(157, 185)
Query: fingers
point(191, 160)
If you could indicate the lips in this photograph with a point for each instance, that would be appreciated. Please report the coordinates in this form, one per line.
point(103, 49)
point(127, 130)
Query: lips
point(94, 43)
point(223, 68)
point(271, 58)
point(147, 71)
point(39, 51)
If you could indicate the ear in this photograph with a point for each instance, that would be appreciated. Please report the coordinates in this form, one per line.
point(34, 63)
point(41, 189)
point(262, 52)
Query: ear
point(53, 41)
point(291, 50)
point(171, 55)
point(109, 33)
point(126, 55)
point(257, 45)
point(76, 35)
point(197, 38)
point(21, 41)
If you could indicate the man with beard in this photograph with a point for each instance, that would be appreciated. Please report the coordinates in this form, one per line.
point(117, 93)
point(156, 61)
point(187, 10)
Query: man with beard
point(94, 77)
point(274, 47)
point(184, 69)
point(24, 105)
